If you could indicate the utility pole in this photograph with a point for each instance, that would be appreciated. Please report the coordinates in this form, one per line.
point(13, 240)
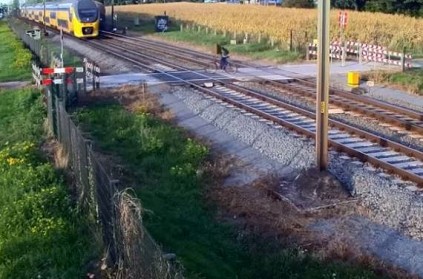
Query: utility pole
point(44, 18)
point(113, 14)
point(322, 99)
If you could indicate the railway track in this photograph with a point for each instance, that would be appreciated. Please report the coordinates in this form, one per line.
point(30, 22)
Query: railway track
point(384, 153)
point(198, 59)
point(407, 119)
point(386, 113)
point(404, 118)
point(389, 155)
point(381, 152)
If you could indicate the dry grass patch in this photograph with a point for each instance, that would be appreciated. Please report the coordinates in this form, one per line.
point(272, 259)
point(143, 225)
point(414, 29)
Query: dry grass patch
point(135, 98)
point(410, 81)
point(261, 209)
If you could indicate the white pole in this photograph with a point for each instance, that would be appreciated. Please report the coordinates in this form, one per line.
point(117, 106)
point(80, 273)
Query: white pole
point(61, 46)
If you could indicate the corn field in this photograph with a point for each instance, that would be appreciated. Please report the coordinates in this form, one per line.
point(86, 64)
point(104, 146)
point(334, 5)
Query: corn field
point(392, 31)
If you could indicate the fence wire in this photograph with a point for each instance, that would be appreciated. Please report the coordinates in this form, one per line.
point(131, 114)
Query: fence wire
point(130, 249)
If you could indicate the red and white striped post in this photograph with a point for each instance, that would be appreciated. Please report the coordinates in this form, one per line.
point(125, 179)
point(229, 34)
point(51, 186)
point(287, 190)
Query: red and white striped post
point(342, 22)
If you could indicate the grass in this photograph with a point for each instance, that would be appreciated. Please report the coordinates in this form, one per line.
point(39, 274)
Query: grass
point(15, 58)
point(166, 164)
point(261, 50)
point(410, 80)
point(253, 50)
point(50, 46)
point(41, 234)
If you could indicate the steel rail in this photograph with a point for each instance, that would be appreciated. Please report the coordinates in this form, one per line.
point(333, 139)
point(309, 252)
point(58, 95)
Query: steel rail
point(147, 58)
point(362, 156)
point(370, 101)
point(341, 126)
point(153, 48)
point(378, 113)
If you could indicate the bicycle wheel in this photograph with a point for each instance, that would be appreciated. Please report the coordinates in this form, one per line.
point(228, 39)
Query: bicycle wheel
point(231, 68)
point(211, 67)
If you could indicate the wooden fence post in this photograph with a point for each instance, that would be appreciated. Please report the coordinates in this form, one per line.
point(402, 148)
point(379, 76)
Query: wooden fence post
point(403, 60)
point(290, 40)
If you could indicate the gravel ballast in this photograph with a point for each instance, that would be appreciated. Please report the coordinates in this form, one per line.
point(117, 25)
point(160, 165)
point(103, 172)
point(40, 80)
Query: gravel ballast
point(391, 201)
point(366, 123)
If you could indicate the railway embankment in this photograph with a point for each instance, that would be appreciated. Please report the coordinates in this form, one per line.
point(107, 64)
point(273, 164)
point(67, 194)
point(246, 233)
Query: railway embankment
point(385, 206)
point(197, 187)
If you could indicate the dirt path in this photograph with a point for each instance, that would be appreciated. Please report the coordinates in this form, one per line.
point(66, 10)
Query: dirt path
point(14, 84)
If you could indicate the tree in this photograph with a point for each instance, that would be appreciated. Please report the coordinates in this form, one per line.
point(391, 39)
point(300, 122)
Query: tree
point(16, 4)
point(299, 3)
point(410, 7)
point(357, 5)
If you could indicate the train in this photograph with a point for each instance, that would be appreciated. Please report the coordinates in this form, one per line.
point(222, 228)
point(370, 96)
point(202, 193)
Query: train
point(80, 18)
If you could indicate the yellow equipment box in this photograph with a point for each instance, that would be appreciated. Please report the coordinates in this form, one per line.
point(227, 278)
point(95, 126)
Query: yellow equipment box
point(353, 79)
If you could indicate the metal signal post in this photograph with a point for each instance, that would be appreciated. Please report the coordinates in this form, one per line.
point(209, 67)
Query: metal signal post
point(322, 101)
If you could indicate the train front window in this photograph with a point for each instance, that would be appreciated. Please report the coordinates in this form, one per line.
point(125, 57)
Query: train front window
point(88, 15)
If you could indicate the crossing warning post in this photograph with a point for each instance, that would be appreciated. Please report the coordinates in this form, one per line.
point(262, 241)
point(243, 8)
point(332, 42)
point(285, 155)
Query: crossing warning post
point(342, 22)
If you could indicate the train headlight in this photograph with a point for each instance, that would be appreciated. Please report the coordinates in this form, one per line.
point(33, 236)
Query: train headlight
point(87, 30)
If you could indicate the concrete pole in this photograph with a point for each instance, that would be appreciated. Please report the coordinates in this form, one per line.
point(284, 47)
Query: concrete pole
point(322, 99)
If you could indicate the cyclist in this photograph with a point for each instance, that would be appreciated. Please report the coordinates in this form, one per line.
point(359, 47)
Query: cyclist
point(224, 55)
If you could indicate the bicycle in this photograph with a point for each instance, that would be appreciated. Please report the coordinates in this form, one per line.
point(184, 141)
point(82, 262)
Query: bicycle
point(214, 66)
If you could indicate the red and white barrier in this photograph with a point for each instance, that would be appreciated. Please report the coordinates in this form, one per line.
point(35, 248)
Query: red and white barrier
point(365, 52)
point(38, 73)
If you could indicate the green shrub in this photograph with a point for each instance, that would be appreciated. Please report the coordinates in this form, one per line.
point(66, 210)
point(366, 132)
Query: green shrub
point(41, 235)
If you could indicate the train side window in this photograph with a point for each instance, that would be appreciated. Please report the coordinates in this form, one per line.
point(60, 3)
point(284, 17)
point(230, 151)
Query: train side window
point(53, 15)
point(70, 15)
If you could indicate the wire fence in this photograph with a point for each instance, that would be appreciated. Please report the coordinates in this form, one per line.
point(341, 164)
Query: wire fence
point(131, 251)
point(41, 46)
point(115, 212)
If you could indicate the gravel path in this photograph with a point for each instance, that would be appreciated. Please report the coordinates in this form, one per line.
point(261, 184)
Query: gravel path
point(387, 244)
point(14, 84)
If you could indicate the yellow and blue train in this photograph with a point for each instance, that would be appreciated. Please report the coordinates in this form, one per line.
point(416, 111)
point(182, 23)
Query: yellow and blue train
point(80, 18)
